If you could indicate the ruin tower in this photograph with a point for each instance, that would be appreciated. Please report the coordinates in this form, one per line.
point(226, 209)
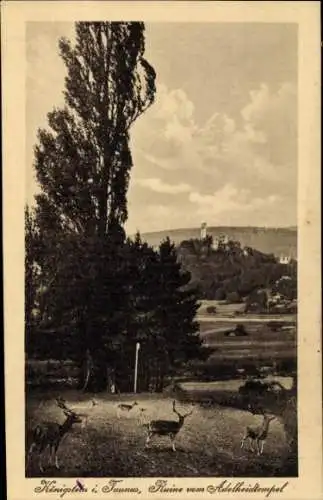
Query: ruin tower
point(203, 230)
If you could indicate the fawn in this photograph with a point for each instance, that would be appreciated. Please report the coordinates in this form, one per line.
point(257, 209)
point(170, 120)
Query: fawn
point(166, 427)
point(258, 434)
point(141, 417)
point(50, 434)
point(123, 407)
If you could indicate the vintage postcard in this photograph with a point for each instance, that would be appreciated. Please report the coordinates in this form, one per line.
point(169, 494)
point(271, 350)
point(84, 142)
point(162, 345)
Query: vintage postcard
point(162, 249)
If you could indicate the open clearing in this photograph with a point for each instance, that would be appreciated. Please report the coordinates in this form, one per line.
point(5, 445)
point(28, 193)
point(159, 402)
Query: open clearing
point(208, 444)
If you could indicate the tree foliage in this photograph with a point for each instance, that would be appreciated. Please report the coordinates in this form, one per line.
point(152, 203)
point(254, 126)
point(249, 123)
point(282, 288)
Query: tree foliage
point(83, 162)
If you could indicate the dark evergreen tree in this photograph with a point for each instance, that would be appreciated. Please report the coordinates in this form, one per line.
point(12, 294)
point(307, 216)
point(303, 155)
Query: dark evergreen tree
point(176, 307)
point(142, 263)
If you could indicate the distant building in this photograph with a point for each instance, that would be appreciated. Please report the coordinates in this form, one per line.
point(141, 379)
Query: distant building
point(283, 259)
point(220, 241)
point(203, 230)
point(215, 244)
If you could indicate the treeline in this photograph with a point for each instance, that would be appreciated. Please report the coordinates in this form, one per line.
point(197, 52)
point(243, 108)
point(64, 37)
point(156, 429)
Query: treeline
point(233, 273)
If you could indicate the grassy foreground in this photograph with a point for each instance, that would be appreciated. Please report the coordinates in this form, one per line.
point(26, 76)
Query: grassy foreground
point(208, 444)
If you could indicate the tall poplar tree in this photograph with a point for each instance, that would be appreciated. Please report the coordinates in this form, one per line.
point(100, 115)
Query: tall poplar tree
point(83, 162)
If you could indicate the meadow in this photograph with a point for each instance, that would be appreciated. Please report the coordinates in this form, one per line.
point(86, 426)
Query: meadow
point(207, 445)
point(262, 342)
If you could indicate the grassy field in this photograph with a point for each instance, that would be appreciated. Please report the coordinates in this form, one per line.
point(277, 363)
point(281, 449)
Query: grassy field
point(261, 343)
point(208, 444)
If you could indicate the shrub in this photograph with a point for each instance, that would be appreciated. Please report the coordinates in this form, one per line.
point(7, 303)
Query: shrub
point(253, 387)
point(241, 330)
point(220, 294)
point(233, 298)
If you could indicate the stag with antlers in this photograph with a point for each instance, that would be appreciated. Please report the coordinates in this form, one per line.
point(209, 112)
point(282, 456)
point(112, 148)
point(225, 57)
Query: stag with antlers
point(166, 427)
point(257, 435)
point(82, 409)
point(50, 434)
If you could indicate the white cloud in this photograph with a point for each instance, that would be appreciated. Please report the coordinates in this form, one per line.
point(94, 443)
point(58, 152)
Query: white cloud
point(229, 199)
point(159, 186)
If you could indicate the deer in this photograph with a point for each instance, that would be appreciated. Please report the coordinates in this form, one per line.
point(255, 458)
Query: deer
point(258, 434)
point(166, 427)
point(50, 434)
point(126, 408)
point(88, 405)
point(141, 418)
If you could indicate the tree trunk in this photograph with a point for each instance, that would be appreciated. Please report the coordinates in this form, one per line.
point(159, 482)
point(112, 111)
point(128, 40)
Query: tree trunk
point(111, 384)
point(100, 374)
point(88, 370)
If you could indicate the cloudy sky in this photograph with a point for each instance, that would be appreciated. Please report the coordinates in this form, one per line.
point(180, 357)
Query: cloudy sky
point(219, 144)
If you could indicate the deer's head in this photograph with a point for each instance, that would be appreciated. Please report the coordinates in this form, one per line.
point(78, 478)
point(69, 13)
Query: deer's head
point(72, 417)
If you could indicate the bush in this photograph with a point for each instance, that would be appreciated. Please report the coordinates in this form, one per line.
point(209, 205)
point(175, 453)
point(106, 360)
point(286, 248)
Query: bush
point(233, 298)
point(253, 387)
point(211, 310)
point(220, 294)
point(241, 330)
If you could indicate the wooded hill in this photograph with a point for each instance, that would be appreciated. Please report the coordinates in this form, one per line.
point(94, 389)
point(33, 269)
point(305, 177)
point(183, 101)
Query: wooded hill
point(234, 272)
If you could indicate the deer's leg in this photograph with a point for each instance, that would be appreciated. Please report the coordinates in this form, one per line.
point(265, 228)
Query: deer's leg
point(55, 454)
point(42, 450)
point(40, 465)
point(172, 438)
point(30, 452)
point(262, 446)
point(149, 435)
point(243, 440)
point(258, 446)
point(250, 444)
point(51, 454)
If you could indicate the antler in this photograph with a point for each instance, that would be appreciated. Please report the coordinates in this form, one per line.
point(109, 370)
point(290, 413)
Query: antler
point(179, 415)
point(174, 409)
point(61, 403)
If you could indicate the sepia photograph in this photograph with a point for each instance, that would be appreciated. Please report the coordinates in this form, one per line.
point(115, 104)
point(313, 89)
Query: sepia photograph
point(162, 304)
point(161, 271)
